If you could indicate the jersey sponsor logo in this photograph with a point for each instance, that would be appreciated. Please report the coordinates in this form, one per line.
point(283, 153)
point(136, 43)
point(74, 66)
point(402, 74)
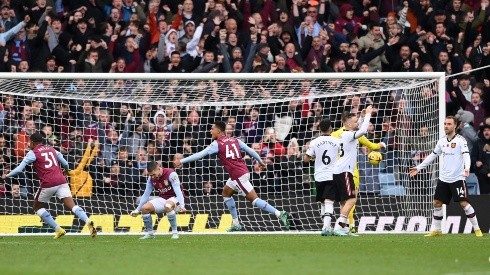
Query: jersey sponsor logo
point(453, 145)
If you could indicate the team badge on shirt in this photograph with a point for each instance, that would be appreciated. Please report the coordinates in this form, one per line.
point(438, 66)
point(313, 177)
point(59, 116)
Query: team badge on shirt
point(166, 182)
point(453, 145)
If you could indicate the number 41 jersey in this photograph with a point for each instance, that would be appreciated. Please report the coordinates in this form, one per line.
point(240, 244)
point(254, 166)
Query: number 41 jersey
point(326, 151)
point(229, 152)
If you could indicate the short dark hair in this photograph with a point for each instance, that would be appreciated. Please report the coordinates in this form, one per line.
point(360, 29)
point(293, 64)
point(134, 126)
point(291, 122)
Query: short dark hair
point(347, 117)
point(455, 120)
point(152, 166)
point(325, 125)
point(37, 138)
point(220, 125)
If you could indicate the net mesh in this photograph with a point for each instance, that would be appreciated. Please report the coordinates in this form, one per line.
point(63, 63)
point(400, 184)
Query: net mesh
point(137, 121)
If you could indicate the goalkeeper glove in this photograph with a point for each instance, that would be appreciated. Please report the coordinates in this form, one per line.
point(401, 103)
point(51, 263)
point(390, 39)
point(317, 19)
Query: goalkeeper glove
point(382, 144)
point(135, 213)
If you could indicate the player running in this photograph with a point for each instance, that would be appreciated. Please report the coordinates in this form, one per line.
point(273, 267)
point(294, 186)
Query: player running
point(53, 183)
point(229, 152)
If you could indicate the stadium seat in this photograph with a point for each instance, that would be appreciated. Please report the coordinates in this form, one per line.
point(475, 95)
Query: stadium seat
point(388, 185)
point(472, 184)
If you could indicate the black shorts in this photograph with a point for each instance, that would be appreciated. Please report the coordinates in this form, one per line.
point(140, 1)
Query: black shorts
point(455, 190)
point(344, 183)
point(325, 190)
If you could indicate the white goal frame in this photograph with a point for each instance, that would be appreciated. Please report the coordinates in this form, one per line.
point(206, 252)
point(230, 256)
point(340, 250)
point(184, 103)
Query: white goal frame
point(231, 76)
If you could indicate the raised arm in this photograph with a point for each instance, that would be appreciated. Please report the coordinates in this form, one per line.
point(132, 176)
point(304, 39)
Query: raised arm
point(28, 159)
point(364, 127)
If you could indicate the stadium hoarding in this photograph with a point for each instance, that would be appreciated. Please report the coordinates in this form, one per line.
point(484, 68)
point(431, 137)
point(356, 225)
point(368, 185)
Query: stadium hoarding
point(206, 214)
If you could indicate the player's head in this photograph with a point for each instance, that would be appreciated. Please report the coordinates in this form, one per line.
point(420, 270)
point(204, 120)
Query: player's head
point(218, 129)
point(35, 139)
point(450, 124)
point(325, 126)
point(350, 121)
point(154, 170)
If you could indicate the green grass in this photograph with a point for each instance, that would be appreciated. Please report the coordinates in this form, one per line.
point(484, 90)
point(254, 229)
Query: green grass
point(246, 254)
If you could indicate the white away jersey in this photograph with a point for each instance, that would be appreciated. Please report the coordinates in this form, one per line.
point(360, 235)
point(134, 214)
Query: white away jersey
point(454, 154)
point(326, 151)
point(348, 154)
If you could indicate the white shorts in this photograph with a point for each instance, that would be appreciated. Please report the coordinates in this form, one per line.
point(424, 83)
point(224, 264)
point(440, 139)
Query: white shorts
point(242, 185)
point(159, 203)
point(45, 194)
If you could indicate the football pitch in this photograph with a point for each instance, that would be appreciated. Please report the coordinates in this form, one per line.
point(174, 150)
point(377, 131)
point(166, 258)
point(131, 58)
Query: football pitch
point(246, 254)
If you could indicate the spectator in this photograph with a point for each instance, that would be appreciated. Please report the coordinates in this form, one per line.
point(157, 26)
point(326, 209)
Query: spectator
point(481, 160)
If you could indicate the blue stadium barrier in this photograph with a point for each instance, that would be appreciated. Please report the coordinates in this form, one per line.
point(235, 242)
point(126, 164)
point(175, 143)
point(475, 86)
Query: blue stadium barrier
point(388, 185)
point(472, 184)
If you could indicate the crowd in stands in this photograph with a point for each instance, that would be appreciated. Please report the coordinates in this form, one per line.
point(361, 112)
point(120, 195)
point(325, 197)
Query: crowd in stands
point(252, 36)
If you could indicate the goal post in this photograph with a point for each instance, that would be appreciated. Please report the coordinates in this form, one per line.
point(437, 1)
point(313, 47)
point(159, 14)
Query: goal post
point(137, 118)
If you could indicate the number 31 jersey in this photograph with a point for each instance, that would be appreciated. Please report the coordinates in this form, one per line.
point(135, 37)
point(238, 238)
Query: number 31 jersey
point(46, 166)
point(326, 151)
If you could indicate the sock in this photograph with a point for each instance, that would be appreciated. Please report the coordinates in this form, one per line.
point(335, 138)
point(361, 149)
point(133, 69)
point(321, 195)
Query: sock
point(341, 222)
point(148, 222)
point(327, 216)
point(78, 211)
point(47, 218)
point(230, 203)
point(470, 213)
point(172, 218)
point(266, 207)
point(351, 216)
point(437, 220)
point(322, 209)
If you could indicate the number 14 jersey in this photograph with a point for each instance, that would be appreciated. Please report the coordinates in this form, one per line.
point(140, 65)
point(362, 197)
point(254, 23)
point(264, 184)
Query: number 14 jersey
point(326, 150)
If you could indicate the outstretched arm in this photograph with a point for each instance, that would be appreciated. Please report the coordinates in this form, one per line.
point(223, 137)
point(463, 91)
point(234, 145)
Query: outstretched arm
point(211, 149)
point(371, 145)
point(364, 126)
point(62, 160)
point(28, 159)
point(437, 151)
point(250, 151)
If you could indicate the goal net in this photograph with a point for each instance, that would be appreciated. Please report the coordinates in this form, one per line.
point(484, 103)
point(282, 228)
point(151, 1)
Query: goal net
point(139, 118)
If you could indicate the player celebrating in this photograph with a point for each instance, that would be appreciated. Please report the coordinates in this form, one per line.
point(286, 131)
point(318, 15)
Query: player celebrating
point(170, 200)
point(53, 182)
point(372, 146)
point(325, 149)
point(228, 150)
point(343, 176)
point(455, 168)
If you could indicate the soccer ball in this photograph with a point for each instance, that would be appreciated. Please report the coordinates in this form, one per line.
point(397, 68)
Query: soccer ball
point(375, 158)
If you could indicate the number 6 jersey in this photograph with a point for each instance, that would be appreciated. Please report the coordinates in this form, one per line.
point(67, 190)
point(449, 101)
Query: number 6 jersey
point(326, 151)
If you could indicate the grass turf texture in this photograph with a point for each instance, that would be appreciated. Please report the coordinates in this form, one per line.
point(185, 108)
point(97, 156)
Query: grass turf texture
point(246, 254)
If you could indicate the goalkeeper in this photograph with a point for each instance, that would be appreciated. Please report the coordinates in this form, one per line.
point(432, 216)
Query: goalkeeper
point(81, 182)
point(373, 146)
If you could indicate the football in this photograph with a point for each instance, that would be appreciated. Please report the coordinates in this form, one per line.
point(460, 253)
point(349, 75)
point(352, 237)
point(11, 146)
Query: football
point(375, 158)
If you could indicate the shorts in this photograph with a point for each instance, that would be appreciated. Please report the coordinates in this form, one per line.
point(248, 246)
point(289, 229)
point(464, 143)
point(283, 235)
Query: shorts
point(159, 203)
point(241, 185)
point(45, 194)
point(344, 183)
point(326, 190)
point(456, 190)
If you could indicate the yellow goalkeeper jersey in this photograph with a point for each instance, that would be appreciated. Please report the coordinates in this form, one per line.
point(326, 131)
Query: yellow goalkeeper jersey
point(81, 182)
point(363, 141)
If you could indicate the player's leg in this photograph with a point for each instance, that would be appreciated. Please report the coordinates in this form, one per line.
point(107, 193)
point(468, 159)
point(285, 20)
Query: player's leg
point(42, 197)
point(345, 184)
point(146, 211)
point(442, 195)
point(65, 195)
point(171, 216)
point(227, 194)
point(352, 223)
point(246, 189)
point(458, 190)
point(325, 194)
